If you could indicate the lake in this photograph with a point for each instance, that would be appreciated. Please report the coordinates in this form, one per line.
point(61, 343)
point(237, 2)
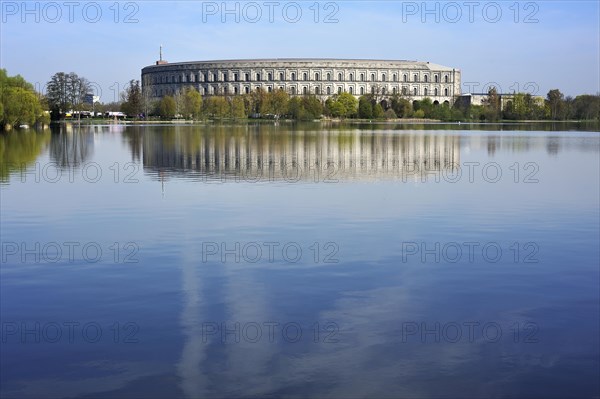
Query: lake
point(300, 260)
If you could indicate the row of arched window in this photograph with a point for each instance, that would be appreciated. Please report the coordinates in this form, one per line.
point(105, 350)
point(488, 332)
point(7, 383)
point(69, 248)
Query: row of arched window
point(329, 90)
point(258, 77)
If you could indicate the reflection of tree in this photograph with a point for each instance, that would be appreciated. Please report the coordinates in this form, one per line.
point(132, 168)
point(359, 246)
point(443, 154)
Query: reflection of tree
point(133, 138)
point(552, 145)
point(20, 149)
point(71, 145)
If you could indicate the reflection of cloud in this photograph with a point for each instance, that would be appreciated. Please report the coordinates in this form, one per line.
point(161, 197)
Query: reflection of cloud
point(115, 376)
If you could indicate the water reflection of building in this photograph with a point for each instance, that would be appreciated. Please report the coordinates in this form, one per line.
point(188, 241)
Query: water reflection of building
point(296, 155)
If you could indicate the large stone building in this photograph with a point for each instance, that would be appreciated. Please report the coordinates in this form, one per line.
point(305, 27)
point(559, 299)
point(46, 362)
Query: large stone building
point(322, 77)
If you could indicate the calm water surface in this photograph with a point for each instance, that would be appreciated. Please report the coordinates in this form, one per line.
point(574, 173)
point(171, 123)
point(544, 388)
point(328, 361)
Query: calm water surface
point(300, 261)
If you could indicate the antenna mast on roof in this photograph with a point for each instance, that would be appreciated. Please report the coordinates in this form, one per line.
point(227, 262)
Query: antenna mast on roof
point(160, 59)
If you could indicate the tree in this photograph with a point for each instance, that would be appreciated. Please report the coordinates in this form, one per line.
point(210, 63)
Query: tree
point(132, 99)
point(278, 100)
point(66, 91)
point(238, 109)
point(192, 103)
point(365, 108)
point(556, 104)
point(342, 105)
point(217, 107)
point(312, 106)
point(586, 107)
point(492, 105)
point(377, 111)
point(401, 107)
point(390, 114)
point(166, 107)
point(19, 103)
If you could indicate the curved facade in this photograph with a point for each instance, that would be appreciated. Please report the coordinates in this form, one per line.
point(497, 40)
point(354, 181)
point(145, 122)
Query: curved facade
point(322, 77)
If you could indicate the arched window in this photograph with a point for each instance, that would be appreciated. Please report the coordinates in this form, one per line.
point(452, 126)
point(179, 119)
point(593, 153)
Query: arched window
point(394, 91)
point(435, 92)
point(415, 91)
point(317, 77)
point(383, 77)
point(405, 78)
point(352, 77)
point(235, 77)
point(225, 77)
point(436, 78)
point(247, 89)
point(362, 77)
point(215, 77)
point(305, 90)
point(328, 90)
point(316, 90)
point(426, 78)
point(351, 91)
point(446, 91)
point(281, 76)
point(416, 77)
point(293, 75)
point(269, 89)
point(395, 78)
point(293, 90)
point(246, 77)
point(235, 90)
point(258, 77)
point(404, 91)
point(340, 90)
point(383, 91)
point(270, 77)
point(372, 77)
point(340, 77)
point(328, 76)
point(446, 79)
point(362, 91)
point(425, 91)
point(305, 76)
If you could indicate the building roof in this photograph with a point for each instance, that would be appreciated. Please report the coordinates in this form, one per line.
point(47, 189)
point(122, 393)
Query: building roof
point(420, 64)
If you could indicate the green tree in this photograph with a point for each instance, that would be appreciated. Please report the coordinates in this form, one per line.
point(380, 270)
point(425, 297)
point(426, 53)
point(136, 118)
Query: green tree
point(401, 106)
point(66, 91)
point(492, 105)
point(426, 105)
point(390, 114)
point(279, 102)
point(342, 105)
point(238, 109)
point(312, 106)
point(166, 107)
point(132, 101)
point(365, 108)
point(19, 103)
point(217, 107)
point(556, 104)
point(192, 103)
point(377, 111)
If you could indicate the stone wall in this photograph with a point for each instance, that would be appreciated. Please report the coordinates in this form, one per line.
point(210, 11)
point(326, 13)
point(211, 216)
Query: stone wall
point(322, 77)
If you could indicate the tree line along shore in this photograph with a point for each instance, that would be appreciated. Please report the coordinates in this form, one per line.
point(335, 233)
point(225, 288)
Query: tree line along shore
point(67, 97)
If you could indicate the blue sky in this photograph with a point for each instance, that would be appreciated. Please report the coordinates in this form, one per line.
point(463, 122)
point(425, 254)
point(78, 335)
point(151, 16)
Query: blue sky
point(518, 45)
